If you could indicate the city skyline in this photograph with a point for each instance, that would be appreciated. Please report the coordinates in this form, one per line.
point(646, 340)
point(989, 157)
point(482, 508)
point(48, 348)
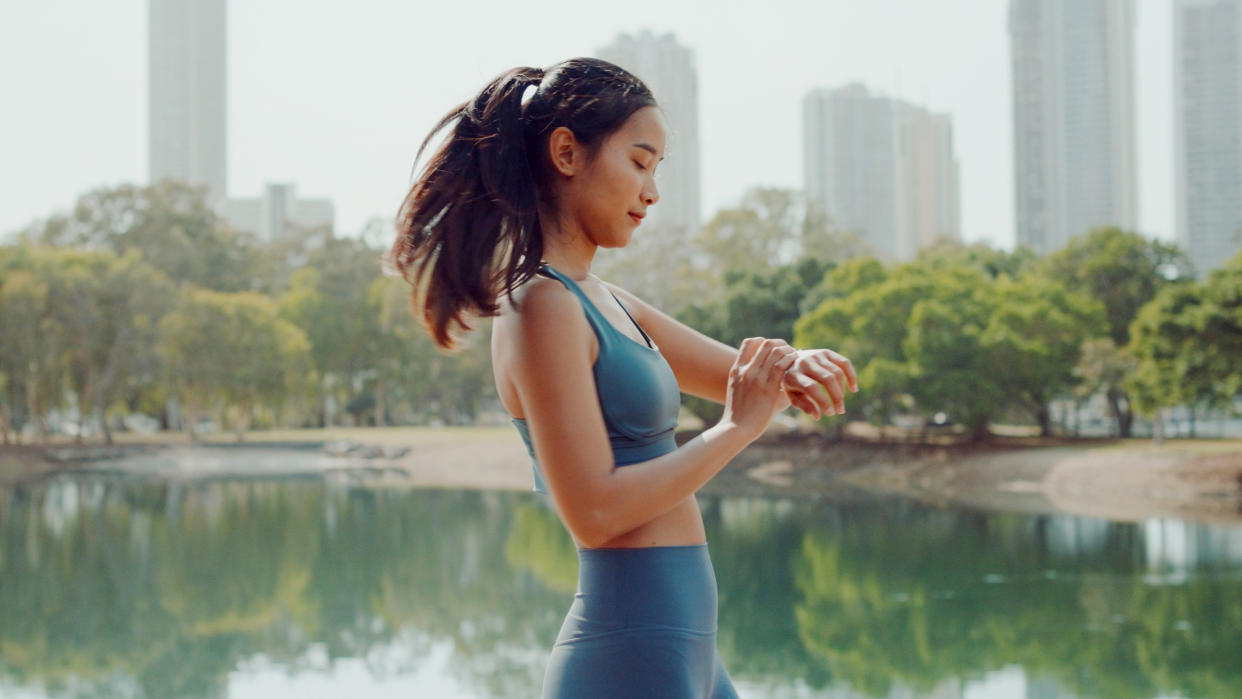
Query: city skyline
point(187, 94)
point(883, 168)
point(1074, 111)
point(341, 113)
point(1208, 149)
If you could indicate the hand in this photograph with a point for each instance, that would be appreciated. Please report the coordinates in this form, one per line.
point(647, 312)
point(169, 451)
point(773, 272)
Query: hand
point(754, 392)
point(816, 368)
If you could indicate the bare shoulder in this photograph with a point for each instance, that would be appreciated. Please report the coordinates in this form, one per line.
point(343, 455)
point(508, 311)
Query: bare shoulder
point(536, 304)
point(540, 312)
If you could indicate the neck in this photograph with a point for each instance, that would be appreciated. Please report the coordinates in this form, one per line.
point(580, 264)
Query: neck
point(568, 250)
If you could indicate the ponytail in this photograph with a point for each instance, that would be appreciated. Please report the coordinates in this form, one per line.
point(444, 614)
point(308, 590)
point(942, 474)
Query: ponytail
point(468, 228)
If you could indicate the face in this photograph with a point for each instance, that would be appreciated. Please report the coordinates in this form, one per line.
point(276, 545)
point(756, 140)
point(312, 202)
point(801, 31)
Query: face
point(608, 194)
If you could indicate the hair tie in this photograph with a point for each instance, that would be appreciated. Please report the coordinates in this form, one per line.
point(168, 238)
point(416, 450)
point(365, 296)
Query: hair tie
point(528, 93)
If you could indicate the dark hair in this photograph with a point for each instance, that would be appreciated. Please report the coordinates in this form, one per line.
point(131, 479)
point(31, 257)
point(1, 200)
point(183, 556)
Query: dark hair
point(469, 227)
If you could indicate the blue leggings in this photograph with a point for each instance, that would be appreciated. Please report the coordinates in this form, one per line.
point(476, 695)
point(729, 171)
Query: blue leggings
point(642, 624)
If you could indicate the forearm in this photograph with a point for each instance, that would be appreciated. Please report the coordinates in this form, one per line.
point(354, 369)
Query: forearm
point(707, 376)
point(636, 494)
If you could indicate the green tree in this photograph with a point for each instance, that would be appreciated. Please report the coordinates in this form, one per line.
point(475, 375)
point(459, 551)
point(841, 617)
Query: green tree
point(1186, 342)
point(954, 331)
point(1124, 271)
point(950, 358)
point(398, 336)
point(109, 308)
point(1104, 368)
point(1222, 329)
point(1034, 337)
point(887, 381)
point(844, 279)
point(866, 316)
point(772, 227)
point(34, 346)
point(1165, 341)
point(329, 299)
point(232, 351)
point(171, 223)
point(411, 369)
point(821, 239)
point(987, 259)
point(758, 234)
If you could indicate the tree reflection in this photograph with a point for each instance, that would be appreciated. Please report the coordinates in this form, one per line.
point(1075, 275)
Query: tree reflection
point(884, 604)
point(175, 587)
point(110, 587)
point(539, 543)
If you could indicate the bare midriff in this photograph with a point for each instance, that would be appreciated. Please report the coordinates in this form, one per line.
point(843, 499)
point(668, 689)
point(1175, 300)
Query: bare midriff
point(680, 526)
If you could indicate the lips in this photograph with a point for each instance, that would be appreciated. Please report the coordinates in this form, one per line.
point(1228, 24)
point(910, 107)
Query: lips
point(638, 218)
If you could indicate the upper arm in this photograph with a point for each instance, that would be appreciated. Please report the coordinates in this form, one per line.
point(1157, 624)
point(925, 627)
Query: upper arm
point(550, 369)
point(700, 363)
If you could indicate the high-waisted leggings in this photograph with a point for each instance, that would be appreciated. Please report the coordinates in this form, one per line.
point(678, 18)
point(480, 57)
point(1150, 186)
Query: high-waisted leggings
point(642, 624)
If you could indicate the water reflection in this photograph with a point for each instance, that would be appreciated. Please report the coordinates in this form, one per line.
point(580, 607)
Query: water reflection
point(114, 587)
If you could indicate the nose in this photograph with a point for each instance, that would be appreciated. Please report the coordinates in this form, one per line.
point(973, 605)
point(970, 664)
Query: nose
point(651, 194)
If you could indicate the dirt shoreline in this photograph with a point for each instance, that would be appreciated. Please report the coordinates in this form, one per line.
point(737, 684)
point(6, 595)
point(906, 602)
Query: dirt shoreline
point(1126, 480)
point(1123, 481)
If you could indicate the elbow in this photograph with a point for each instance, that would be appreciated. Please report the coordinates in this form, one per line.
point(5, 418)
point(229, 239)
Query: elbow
point(591, 530)
point(594, 542)
point(592, 527)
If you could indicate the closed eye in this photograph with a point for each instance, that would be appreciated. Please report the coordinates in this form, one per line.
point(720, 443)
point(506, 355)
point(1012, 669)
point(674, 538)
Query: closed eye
point(640, 165)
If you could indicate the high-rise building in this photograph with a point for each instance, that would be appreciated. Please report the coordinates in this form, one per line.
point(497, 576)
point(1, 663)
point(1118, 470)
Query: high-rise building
point(881, 168)
point(667, 67)
point(279, 208)
point(187, 128)
point(1075, 166)
point(1207, 56)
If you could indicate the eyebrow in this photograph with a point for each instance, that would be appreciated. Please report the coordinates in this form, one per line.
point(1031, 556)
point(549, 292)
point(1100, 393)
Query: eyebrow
point(650, 149)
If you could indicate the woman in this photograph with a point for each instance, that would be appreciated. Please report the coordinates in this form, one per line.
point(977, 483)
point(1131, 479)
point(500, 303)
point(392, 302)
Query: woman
point(538, 172)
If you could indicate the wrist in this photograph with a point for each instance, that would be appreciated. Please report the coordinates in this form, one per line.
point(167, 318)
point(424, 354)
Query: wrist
point(732, 432)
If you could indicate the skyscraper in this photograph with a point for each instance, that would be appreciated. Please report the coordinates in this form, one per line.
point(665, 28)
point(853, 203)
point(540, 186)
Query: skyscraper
point(187, 128)
point(1073, 103)
point(1207, 56)
point(276, 210)
point(667, 68)
point(881, 168)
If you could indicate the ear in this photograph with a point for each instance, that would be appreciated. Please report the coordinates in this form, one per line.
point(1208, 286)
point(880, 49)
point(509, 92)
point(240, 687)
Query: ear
point(564, 150)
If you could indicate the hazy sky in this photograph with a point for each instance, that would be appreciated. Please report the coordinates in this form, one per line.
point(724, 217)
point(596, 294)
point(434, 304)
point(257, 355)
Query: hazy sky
point(337, 96)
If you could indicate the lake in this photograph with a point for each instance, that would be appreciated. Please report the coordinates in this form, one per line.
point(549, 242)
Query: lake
point(131, 586)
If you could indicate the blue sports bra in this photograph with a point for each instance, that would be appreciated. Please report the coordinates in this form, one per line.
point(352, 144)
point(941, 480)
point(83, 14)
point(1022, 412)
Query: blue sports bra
point(637, 391)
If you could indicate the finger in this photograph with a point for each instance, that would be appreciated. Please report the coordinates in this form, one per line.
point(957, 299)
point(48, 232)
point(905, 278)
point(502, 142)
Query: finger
point(764, 355)
point(810, 390)
point(831, 378)
point(777, 369)
point(747, 350)
point(804, 403)
point(778, 350)
point(847, 366)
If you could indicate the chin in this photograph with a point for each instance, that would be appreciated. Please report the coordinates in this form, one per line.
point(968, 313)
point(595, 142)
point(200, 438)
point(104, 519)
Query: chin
point(618, 241)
